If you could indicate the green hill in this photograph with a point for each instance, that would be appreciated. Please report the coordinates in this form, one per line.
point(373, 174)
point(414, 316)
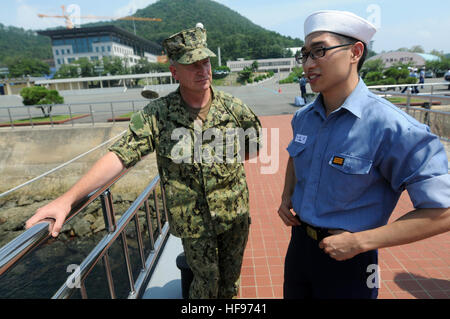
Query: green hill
point(24, 43)
point(236, 35)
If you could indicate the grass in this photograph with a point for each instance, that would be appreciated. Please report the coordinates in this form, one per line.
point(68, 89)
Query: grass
point(125, 115)
point(400, 99)
point(40, 119)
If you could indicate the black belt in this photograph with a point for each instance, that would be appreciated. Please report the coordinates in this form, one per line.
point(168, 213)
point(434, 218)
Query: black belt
point(316, 233)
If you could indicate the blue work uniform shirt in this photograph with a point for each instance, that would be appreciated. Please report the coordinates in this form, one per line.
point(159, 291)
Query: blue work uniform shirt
point(352, 166)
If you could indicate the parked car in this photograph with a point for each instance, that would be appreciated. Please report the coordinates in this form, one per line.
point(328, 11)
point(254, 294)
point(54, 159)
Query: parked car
point(447, 77)
point(429, 74)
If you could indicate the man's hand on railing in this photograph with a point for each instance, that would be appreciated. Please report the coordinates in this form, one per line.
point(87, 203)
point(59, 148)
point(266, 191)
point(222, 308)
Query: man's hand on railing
point(55, 212)
point(102, 172)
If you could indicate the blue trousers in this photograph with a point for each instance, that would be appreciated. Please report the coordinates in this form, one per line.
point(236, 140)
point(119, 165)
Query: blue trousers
point(310, 273)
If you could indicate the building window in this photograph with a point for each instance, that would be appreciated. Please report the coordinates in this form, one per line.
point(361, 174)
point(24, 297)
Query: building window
point(59, 61)
point(57, 52)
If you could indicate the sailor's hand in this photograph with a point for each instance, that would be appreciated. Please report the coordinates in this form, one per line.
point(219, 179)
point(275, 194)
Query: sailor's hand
point(286, 215)
point(55, 212)
point(342, 245)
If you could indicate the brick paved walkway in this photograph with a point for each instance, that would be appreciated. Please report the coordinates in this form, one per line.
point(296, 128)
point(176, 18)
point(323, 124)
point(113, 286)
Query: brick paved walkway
point(419, 270)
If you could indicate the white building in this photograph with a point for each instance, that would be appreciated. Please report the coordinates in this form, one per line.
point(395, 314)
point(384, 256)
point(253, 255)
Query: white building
point(417, 59)
point(276, 65)
point(95, 43)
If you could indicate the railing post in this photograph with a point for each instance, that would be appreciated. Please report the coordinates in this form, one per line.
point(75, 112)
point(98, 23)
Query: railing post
point(70, 114)
point(92, 115)
point(408, 99)
point(109, 277)
point(31, 119)
point(158, 216)
point(112, 113)
point(431, 97)
point(10, 118)
point(51, 118)
point(139, 240)
point(128, 263)
point(83, 291)
point(149, 225)
point(108, 211)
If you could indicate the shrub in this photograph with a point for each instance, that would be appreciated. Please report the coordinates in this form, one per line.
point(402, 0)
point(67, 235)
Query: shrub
point(39, 95)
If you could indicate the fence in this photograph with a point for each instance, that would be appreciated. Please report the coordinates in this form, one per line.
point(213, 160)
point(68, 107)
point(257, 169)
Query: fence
point(96, 112)
point(14, 251)
point(438, 121)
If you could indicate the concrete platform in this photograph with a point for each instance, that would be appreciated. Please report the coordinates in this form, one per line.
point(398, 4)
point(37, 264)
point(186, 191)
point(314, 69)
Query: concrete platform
point(165, 282)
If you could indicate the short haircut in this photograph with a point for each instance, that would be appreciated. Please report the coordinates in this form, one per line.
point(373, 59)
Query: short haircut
point(346, 39)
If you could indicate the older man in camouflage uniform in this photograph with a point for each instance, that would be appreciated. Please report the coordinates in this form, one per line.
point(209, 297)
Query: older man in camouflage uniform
point(206, 192)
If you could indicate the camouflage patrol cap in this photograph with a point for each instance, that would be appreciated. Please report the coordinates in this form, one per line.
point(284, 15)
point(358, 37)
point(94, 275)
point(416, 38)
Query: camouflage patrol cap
point(188, 46)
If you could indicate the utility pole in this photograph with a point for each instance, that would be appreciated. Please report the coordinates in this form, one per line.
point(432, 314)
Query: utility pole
point(218, 55)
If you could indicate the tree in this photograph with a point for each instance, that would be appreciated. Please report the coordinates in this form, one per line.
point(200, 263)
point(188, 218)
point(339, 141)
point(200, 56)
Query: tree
point(114, 66)
point(22, 66)
point(417, 49)
point(67, 71)
point(376, 65)
point(39, 95)
point(254, 66)
point(245, 74)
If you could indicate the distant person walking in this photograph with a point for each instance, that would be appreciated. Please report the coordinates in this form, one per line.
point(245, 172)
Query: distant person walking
point(422, 77)
point(412, 74)
point(303, 82)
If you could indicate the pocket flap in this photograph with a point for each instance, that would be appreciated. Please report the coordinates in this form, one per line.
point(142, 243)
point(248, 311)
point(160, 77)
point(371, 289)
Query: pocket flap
point(295, 148)
point(350, 164)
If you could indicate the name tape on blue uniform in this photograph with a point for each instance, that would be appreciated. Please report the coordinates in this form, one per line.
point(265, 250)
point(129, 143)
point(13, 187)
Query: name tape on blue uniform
point(299, 138)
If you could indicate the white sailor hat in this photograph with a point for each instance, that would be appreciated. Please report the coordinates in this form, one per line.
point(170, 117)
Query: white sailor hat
point(341, 22)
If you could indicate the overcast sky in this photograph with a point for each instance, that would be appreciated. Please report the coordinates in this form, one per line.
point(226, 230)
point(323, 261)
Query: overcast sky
point(401, 23)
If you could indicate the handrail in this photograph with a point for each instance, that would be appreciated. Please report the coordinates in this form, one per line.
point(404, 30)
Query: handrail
point(406, 85)
point(25, 242)
point(78, 103)
point(101, 250)
point(15, 250)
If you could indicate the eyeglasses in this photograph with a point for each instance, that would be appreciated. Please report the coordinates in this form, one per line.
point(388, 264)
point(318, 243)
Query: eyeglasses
point(315, 53)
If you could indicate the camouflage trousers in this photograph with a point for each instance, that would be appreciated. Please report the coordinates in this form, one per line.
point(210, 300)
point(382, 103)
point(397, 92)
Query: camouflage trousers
point(216, 262)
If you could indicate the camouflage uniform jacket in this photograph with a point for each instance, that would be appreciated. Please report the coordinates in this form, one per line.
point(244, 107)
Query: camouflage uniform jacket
point(203, 197)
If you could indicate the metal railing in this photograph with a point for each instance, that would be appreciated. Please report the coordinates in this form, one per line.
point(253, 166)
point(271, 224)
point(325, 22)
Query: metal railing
point(14, 251)
point(91, 113)
point(438, 121)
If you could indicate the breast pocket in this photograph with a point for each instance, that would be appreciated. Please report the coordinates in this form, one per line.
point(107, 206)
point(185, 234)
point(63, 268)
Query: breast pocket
point(347, 177)
point(301, 159)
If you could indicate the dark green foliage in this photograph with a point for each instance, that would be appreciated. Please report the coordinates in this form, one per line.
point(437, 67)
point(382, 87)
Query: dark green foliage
point(17, 42)
point(236, 35)
point(23, 66)
point(293, 76)
point(38, 95)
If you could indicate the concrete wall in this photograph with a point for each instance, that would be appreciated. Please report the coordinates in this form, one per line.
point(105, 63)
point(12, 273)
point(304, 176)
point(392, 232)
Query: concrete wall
point(25, 154)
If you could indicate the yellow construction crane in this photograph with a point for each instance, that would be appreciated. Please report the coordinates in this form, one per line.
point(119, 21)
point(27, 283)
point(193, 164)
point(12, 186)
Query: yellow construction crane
point(69, 23)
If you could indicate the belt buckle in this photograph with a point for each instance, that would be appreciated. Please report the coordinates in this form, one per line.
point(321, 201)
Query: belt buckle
point(311, 232)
